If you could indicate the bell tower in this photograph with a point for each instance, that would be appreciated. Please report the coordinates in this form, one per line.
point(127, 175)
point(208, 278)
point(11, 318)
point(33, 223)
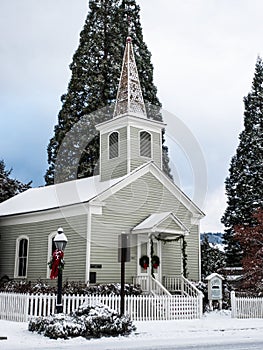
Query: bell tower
point(129, 139)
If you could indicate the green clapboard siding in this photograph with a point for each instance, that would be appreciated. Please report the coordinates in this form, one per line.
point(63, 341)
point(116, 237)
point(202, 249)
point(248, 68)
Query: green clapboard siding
point(126, 209)
point(116, 167)
point(136, 159)
point(75, 253)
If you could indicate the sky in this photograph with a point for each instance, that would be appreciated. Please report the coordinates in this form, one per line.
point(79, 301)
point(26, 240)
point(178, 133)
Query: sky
point(203, 52)
point(215, 330)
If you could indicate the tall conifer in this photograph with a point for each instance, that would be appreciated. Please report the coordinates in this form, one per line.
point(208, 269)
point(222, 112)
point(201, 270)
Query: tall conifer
point(10, 187)
point(96, 68)
point(244, 185)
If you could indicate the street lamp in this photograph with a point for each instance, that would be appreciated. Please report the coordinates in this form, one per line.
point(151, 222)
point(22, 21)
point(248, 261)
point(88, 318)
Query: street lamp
point(60, 241)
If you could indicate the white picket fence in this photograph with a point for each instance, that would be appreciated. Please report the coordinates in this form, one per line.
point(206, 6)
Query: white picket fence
point(20, 307)
point(246, 307)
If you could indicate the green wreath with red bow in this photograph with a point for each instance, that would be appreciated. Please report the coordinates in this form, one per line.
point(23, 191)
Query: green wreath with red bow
point(56, 263)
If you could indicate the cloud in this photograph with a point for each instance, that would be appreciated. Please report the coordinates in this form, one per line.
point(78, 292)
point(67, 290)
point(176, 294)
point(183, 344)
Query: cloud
point(214, 209)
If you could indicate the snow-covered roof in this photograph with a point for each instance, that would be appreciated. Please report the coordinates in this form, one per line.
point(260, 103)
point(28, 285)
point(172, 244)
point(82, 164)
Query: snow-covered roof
point(54, 196)
point(85, 190)
point(152, 223)
point(213, 275)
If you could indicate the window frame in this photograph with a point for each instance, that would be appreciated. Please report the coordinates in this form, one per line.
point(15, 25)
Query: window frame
point(17, 257)
point(118, 145)
point(148, 148)
point(51, 236)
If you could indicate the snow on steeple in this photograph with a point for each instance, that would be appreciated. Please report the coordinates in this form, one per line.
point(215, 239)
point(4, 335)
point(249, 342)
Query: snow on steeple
point(129, 95)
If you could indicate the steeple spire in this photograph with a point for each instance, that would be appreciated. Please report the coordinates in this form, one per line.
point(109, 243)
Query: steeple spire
point(129, 96)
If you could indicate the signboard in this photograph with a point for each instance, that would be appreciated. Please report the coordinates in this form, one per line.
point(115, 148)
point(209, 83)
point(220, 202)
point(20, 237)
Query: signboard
point(124, 250)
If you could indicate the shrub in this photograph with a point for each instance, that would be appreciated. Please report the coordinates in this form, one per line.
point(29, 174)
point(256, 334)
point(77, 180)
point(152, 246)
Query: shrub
point(69, 287)
point(87, 321)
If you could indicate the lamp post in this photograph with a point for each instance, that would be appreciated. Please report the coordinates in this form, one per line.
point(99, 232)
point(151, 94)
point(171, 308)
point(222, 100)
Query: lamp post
point(60, 241)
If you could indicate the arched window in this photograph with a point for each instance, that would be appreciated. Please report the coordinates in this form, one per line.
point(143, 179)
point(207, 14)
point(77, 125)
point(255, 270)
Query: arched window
point(22, 244)
point(145, 144)
point(114, 145)
point(51, 248)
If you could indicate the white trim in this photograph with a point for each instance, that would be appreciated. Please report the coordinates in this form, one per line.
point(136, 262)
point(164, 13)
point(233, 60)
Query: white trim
point(97, 210)
point(161, 146)
point(100, 153)
point(19, 238)
point(113, 131)
point(163, 178)
point(46, 215)
point(152, 168)
point(128, 149)
point(142, 238)
point(153, 221)
point(151, 143)
point(131, 119)
point(49, 250)
point(88, 242)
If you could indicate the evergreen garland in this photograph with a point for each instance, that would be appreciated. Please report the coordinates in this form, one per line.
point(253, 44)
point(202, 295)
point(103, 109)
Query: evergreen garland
point(183, 248)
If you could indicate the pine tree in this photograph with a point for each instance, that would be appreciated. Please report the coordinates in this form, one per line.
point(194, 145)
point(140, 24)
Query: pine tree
point(212, 259)
point(244, 187)
point(96, 68)
point(251, 241)
point(9, 187)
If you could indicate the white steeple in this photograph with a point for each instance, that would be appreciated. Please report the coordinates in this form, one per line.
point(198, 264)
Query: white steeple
point(129, 97)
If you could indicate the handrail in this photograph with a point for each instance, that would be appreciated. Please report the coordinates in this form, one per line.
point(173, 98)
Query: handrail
point(191, 287)
point(150, 285)
point(181, 285)
point(157, 287)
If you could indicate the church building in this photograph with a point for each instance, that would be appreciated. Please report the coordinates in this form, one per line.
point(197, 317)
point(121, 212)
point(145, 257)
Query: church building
point(131, 195)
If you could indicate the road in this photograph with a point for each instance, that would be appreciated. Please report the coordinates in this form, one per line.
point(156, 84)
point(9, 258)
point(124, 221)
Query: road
point(249, 345)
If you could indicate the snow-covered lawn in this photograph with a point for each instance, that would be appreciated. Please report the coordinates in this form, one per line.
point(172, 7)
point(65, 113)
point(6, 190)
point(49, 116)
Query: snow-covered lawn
point(215, 326)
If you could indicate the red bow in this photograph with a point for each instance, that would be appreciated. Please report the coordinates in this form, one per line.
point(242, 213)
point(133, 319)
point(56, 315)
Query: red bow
point(57, 257)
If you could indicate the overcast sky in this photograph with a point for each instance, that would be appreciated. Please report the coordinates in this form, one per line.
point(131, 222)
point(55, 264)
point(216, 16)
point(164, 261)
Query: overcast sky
point(204, 54)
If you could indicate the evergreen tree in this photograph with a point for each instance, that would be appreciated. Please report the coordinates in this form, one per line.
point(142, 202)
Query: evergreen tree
point(9, 187)
point(244, 187)
point(251, 241)
point(212, 258)
point(96, 69)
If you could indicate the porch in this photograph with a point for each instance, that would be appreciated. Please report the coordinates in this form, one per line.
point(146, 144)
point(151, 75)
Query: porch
point(172, 285)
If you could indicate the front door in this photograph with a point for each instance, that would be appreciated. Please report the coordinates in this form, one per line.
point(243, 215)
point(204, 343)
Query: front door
point(144, 257)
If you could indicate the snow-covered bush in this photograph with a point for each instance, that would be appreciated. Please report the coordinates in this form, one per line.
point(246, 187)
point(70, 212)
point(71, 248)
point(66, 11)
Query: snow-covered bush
point(87, 321)
point(69, 287)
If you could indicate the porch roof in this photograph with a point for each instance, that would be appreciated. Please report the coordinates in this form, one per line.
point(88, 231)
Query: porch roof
point(164, 224)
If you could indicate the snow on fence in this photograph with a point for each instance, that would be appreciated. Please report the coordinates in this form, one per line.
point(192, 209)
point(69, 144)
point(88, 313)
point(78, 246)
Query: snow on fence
point(20, 307)
point(246, 307)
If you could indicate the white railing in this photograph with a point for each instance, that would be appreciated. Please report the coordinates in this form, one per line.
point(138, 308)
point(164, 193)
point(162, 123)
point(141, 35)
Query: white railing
point(246, 307)
point(150, 285)
point(20, 307)
point(181, 285)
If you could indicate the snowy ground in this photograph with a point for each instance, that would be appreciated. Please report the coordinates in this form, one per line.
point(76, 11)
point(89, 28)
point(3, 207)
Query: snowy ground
point(213, 328)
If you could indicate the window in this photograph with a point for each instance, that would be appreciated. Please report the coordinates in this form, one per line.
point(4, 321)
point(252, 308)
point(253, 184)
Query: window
point(21, 256)
point(114, 145)
point(51, 248)
point(145, 144)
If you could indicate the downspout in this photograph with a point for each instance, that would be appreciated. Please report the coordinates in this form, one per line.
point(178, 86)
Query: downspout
point(88, 242)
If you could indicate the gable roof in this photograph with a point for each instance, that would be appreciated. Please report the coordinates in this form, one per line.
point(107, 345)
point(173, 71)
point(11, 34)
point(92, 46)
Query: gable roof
point(89, 189)
point(162, 177)
point(153, 224)
point(55, 196)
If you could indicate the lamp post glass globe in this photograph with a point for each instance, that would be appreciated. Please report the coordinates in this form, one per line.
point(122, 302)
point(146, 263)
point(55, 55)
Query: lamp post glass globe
point(60, 239)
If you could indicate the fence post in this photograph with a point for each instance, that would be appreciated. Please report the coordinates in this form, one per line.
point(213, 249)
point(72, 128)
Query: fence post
point(233, 304)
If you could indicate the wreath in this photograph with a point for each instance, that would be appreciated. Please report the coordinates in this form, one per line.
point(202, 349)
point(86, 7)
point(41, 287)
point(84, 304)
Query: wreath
point(155, 261)
point(56, 263)
point(144, 262)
